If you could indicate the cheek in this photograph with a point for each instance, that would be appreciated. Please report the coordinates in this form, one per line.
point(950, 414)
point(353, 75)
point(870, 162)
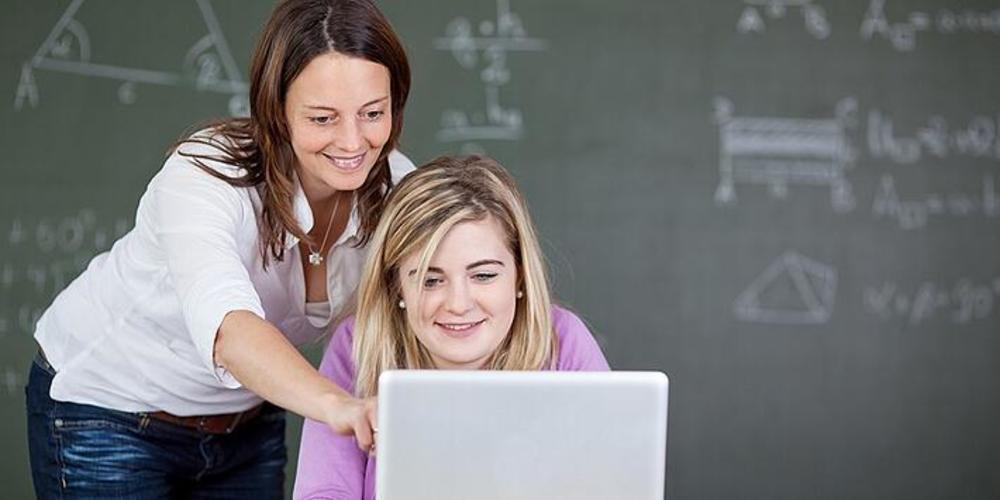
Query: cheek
point(506, 298)
point(305, 138)
point(305, 142)
point(378, 133)
point(427, 308)
point(416, 313)
point(501, 306)
point(509, 308)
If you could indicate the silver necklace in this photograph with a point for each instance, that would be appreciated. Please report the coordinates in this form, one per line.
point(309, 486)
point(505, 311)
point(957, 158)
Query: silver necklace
point(315, 257)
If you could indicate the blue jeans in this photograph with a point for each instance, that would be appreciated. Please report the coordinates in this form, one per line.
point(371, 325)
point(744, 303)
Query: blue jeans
point(84, 451)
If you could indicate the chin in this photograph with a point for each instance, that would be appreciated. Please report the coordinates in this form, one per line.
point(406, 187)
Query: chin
point(350, 182)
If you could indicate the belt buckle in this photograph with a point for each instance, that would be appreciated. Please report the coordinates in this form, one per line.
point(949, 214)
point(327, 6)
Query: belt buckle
point(203, 425)
point(220, 424)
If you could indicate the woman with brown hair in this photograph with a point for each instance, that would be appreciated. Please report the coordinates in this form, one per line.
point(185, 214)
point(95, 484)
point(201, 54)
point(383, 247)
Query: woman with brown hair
point(163, 369)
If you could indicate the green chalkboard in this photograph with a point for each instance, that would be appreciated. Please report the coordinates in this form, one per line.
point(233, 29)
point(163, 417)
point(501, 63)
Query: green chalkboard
point(789, 206)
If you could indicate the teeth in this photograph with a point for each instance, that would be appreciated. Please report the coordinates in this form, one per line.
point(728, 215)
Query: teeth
point(348, 163)
point(458, 326)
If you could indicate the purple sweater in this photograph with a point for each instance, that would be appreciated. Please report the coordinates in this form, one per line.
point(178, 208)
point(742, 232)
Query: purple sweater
point(332, 467)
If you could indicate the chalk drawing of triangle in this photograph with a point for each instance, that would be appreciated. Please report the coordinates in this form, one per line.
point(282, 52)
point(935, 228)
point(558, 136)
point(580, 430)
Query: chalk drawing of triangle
point(209, 62)
point(793, 289)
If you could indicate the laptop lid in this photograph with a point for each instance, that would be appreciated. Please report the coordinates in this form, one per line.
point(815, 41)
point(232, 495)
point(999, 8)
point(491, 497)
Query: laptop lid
point(460, 435)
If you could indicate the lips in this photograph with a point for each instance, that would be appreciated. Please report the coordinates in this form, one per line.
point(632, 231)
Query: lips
point(459, 329)
point(346, 163)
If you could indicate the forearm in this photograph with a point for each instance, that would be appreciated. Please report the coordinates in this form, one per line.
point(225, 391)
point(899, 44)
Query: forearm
point(262, 359)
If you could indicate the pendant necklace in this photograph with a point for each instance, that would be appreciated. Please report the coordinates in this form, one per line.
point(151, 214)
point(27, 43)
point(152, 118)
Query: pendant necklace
point(315, 257)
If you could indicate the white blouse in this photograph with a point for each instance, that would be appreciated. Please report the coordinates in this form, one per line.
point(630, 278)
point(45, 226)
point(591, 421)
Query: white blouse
point(135, 332)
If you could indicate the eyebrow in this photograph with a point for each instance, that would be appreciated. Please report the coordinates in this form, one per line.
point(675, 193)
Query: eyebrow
point(478, 263)
point(328, 108)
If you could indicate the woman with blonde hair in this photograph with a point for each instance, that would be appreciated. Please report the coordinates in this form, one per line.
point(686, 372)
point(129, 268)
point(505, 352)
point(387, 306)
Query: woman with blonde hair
point(455, 280)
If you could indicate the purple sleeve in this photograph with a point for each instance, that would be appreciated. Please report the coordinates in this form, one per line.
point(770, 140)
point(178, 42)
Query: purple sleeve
point(331, 466)
point(578, 351)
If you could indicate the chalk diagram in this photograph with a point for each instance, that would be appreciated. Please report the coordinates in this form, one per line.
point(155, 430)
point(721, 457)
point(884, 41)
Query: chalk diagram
point(207, 66)
point(777, 152)
point(792, 290)
point(486, 46)
point(752, 21)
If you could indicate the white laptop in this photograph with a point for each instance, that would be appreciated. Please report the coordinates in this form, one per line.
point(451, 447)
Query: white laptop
point(491, 435)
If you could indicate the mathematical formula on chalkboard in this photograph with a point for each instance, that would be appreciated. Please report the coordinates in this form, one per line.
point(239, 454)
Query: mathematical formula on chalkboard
point(42, 256)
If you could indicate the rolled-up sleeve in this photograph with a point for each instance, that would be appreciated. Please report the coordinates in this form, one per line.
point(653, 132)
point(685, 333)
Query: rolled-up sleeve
point(200, 224)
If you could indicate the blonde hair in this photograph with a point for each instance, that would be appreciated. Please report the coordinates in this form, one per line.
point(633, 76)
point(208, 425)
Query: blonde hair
point(418, 214)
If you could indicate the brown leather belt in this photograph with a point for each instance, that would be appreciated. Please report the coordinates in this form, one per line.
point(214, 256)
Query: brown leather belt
point(211, 424)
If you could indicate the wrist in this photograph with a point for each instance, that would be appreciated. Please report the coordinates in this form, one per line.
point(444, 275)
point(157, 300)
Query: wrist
point(333, 406)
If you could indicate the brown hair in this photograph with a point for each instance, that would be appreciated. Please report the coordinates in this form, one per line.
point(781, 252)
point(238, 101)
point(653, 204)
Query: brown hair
point(296, 33)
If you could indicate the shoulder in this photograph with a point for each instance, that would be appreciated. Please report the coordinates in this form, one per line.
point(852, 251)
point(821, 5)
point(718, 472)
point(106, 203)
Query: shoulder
point(566, 323)
point(184, 172)
point(342, 340)
point(577, 348)
point(208, 147)
point(338, 362)
point(399, 165)
point(345, 330)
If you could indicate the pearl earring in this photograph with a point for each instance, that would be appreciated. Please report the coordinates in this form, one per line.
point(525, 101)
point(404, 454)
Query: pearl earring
point(402, 305)
point(520, 294)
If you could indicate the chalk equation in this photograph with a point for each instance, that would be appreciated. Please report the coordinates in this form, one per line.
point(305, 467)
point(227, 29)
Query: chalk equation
point(40, 256)
point(979, 138)
point(20, 320)
point(902, 31)
point(792, 290)
point(486, 46)
point(82, 231)
point(752, 17)
point(913, 213)
point(779, 151)
point(208, 64)
point(963, 302)
point(12, 382)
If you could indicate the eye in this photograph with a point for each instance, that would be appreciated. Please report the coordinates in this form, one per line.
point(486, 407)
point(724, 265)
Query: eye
point(484, 277)
point(321, 120)
point(432, 282)
point(373, 115)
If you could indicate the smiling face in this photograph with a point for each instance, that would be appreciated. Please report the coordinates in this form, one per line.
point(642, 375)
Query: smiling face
point(339, 115)
point(468, 296)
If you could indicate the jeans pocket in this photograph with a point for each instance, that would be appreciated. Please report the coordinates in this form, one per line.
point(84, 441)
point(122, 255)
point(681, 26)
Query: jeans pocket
point(103, 456)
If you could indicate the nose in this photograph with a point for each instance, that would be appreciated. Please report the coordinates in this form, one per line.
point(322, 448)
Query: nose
point(350, 137)
point(459, 300)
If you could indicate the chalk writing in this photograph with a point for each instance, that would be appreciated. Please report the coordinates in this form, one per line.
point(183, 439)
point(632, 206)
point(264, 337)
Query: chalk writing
point(902, 34)
point(979, 138)
point(963, 302)
point(791, 290)
point(486, 45)
point(813, 16)
point(208, 65)
point(780, 151)
point(42, 255)
point(67, 235)
point(12, 382)
point(914, 213)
